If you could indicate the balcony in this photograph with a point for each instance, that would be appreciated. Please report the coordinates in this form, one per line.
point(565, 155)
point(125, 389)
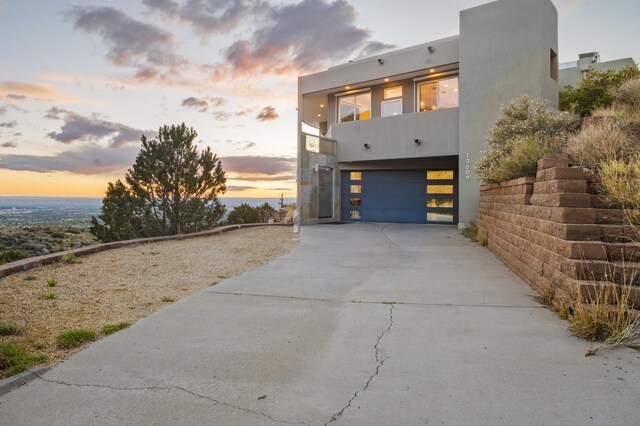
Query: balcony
point(395, 137)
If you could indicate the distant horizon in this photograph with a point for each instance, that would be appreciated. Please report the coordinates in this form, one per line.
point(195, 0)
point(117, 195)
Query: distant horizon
point(54, 196)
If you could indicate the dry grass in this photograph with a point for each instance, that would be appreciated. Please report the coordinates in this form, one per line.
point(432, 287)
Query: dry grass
point(620, 183)
point(127, 284)
point(629, 337)
point(472, 232)
point(600, 142)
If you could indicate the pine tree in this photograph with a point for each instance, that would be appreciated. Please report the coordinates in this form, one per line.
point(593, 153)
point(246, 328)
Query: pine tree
point(172, 188)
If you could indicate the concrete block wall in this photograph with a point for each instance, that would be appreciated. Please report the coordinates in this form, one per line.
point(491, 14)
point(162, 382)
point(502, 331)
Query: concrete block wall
point(553, 233)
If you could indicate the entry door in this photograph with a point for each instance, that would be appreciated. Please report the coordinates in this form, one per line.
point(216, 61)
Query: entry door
point(325, 193)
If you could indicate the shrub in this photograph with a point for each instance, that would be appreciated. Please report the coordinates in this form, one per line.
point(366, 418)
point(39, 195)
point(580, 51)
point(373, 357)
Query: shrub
point(12, 255)
point(49, 295)
point(472, 232)
point(30, 278)
point(244, 213)
point(69, 258)
point(620, 183)
point(601, 141)
point(8, 329)
point(52, 282)
point(14, 359)
point(167, 299)
point(74, 338)
point(112, 328)
point(526, 131)
point(596, 90)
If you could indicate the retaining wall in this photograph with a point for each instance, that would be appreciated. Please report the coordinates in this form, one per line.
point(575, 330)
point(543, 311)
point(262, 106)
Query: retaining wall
point(555, 233)
point(33, 262)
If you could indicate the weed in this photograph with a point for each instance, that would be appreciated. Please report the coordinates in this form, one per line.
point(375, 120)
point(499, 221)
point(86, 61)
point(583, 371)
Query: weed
point(168, 299)
point(8, 329)
point(30, 278)
point(605, 316)
point(50, 295)
point(52, 282)
point(482, 238)
point(562, 312)
point(39, 346)
point(112, 328)
point(470, 231)
point(629, 337)
point(74, 338)
point(546, 295)
point(14, 359)
point(389, 303)
point(69, 258)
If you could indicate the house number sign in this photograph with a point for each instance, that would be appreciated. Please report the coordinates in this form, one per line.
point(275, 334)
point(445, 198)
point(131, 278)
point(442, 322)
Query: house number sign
point(467, 169)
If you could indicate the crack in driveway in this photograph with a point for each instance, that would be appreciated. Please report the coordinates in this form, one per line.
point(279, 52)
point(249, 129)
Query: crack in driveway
point(170, 389)
point(379, 363)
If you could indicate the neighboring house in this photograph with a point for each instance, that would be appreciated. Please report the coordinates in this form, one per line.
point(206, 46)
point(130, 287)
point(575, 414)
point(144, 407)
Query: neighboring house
point(572, 73)
point(397, 135)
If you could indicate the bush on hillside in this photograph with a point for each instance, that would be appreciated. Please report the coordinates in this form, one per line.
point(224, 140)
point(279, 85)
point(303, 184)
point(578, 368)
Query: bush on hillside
point(244, 213)
point(599, 142)
point(526, 131)
point(595, 91)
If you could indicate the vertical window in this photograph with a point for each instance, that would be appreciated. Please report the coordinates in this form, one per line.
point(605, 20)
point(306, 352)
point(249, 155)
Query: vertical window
point(355, 175)
point(554, 65)
point(355, 214)
point(440, 94)
point(355, 189)
point(441, 196)
point(354, 107)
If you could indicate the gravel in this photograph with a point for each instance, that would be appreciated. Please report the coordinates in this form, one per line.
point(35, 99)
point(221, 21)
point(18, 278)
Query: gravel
point(127, 284)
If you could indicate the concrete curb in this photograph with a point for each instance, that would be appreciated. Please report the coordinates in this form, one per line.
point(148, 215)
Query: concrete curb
point(10, 383)
point(33, 262)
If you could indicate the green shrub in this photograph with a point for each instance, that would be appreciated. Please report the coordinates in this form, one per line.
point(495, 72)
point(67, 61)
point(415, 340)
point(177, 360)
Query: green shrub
point(52, 282)
point(74, 338)
point(167, 299)
point(526, 131)
point(12, 255)
point(69, 258)
point(14, 359)
point(600, 142)
point(244, 213)
point(49, 295)
point(30, 278)
point(112, 328)
point(8, 329)
point(596, 90)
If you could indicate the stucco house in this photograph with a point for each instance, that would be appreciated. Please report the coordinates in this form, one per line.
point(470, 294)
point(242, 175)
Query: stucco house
point(395, 137)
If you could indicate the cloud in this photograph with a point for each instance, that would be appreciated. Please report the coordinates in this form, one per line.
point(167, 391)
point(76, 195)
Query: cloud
point(240, 188)
point(221, 115)
point(202, 104)
point(259, 165)
point(3, 110)
point(267, 114)
point(9, 124)
point(567, 7)
point(300, 37)
point(79, 128)
point(18, 91)
point(90, 159)
point(10, 144)
point(277, 178)
point(131, 43)
point(238, 145)
point(208, 16)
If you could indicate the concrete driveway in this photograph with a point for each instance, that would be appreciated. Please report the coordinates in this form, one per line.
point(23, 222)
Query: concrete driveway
point(362, 324)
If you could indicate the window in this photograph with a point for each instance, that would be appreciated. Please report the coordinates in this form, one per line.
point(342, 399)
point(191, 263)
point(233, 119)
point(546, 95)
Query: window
point(440, 175)
point(554, 65)
point(354, 107)
point(390, 108)
point(355, 201)
point(355, 175)
point(440, 203)
point(439, 189)
point(355, 214)
point(439, 94)
point(393, 92)
point(440, 217)
point(356, 189)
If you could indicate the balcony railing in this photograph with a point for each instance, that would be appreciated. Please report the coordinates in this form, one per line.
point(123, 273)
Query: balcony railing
point(319, 144)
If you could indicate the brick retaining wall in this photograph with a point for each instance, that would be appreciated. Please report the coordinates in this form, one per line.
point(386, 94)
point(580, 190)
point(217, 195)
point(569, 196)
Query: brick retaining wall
point(554, 234)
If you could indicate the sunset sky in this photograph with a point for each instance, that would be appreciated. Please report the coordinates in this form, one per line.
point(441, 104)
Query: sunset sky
point(81, 80)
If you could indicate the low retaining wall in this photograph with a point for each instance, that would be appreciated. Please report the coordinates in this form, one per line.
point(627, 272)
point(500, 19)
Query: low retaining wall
point(553, 232)
point(33, 262)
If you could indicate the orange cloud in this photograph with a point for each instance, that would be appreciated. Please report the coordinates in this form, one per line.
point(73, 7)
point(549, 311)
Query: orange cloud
point(43, 92)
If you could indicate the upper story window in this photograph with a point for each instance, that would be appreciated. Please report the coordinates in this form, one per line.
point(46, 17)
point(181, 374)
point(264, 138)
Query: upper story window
point(392, 104)
point(440, 94)
point(354, 107)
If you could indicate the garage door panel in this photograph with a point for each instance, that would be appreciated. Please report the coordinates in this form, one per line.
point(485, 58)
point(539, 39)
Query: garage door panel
point(399, 196)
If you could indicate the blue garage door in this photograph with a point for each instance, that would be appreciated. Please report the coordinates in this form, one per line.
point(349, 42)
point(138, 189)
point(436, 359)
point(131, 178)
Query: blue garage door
point(409, 196)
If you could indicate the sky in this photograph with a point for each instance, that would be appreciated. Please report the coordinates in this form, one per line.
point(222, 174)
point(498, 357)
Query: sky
point(81, 81)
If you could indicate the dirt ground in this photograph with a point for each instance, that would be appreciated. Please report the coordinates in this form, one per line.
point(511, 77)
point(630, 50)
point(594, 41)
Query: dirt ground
point(127, 284)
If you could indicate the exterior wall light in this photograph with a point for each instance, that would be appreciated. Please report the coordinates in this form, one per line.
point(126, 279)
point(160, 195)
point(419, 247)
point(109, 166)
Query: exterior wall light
point(367, 146)
point(418, 141)
point(431, 49)
point(380, 61)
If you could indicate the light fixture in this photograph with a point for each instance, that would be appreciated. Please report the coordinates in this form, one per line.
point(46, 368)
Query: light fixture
point(431, 49)
point(432, 70)
point(386, 80)
point(347, 87)
point(321, 105)
point(380, 61)
point(418, 141)
point(319, 115)
point(455, 90)
point(434, 108)
point(367, 146)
